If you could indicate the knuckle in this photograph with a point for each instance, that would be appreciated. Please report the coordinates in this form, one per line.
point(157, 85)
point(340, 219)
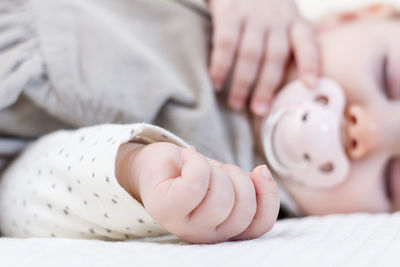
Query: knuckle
point(225, 42)
point(250, 55)
point(217, 77)
point(278, 55)
point(244, 81)
point(198, 186)
point(226, 199)
point(267, 87)
point(219, 69)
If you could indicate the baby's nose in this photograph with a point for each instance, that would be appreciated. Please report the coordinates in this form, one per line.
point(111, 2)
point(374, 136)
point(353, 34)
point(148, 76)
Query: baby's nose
point(360, 131)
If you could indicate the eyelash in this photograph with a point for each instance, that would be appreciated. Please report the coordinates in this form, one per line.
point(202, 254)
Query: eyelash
point(388, 166)
point(387, 174)
point(384, 77)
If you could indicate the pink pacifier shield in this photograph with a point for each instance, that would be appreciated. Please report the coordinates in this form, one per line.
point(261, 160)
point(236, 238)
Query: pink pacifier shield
point(302, 137)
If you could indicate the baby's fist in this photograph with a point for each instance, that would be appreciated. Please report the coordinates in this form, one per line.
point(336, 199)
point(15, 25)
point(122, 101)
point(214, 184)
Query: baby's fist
point(203, 201)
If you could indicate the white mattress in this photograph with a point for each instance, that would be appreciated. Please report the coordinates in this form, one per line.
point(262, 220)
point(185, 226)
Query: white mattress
point(335, 240)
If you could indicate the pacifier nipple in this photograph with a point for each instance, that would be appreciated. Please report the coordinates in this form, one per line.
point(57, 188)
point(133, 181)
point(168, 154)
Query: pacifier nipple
point(302, 137)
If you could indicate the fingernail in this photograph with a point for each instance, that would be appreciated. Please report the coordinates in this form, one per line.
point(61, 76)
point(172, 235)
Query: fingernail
point(260, 108)
point(265, 173)
point(310, 80)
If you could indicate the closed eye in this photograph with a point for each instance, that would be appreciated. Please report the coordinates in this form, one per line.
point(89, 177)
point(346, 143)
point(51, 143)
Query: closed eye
point(385, 78)
point(387, 178)
point(392, 178)
point(390, 88)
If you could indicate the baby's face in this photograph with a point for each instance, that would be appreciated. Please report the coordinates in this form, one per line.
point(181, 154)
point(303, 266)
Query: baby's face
point(363, 57)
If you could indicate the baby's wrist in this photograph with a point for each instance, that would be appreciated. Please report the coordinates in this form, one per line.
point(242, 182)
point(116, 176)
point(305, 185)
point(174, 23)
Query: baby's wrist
point(125, 170)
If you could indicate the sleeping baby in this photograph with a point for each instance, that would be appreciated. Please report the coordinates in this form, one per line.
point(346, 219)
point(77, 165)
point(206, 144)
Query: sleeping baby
point(331, 148)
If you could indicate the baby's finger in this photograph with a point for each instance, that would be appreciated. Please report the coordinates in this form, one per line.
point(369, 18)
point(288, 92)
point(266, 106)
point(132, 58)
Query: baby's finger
point(186, 191)
point(246, 67)
point(216, 205)
point(306, 52)
point(224, 44)
point(245, 203)
point(275, 58)
point(267, 204)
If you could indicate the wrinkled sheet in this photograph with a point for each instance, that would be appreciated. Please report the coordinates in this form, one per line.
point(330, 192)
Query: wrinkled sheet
point(335, 240)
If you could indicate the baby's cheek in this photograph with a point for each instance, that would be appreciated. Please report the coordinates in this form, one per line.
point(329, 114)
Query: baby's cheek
point(352, 196)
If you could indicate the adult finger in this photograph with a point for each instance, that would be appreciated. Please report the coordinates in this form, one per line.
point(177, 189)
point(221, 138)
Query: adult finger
point(275, 58)
point(225, 40)
point(306, 52)
point(246, 66)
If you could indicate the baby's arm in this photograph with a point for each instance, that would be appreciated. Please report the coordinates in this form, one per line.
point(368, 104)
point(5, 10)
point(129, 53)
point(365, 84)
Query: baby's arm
point(195, 198)
point(65, 185)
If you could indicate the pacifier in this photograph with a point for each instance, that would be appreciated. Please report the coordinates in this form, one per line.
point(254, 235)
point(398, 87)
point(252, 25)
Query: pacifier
point(302, 138)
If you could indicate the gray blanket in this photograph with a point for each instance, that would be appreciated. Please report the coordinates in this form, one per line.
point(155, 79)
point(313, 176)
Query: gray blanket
point(74, 63)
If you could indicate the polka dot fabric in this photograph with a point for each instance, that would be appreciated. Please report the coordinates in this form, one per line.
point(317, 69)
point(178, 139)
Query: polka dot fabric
point(64, 185)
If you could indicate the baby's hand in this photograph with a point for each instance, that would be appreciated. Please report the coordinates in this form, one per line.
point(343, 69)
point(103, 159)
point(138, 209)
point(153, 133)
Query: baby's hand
point(253, 40)
point(201, 200)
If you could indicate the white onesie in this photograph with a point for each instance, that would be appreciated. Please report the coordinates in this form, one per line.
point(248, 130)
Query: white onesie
point(64, 185)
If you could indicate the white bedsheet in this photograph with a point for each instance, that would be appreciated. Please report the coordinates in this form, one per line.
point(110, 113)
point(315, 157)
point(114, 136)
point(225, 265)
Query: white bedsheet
point(336, 240)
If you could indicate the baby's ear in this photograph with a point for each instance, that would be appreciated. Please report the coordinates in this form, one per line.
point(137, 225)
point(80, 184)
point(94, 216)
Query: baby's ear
point(376, 11)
